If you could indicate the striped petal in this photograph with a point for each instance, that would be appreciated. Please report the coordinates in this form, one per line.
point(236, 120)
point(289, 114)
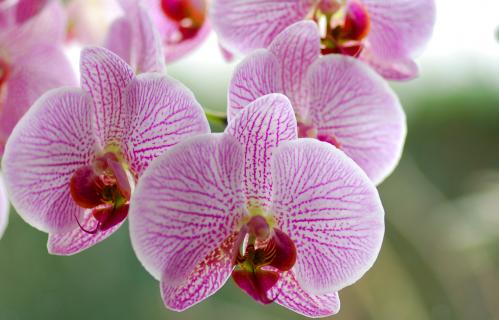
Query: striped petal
point(291, 295)
point(353, 106)
point(245, 25)
point(260, 128)
point(184, 208)
point(4, 207)
point(331, 211)
point(50, 142)
point(76, 240)
point(207, 278)
point(161, 113)
point(105, 76)
point(254, 77)
point(296, 48)
point(396, 70)
point(399, 28)
point(135, 39)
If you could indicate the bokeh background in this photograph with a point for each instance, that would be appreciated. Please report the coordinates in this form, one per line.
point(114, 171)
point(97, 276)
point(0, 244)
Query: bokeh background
point(440, 258)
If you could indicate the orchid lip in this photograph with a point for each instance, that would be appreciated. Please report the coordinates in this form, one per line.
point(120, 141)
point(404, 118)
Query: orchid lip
point(189, 15)
point(344, 27)
point(104, 187)
point(260, 254)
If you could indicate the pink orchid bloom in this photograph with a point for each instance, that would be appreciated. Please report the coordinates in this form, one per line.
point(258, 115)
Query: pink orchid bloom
point(293, 221)
point(388, 34)
point(4, 207)
point(71, 163)
point(182, 24)
point(31, 62)
point(134, 38)
point(337, 99)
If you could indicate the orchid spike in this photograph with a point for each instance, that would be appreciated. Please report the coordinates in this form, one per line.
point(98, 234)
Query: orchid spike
point(337, 99)
point(135, 39)
point(72, 162)
point(292, 221)
point(387, 34)
point(183, 24)
point(31, 62)
point(4, 207)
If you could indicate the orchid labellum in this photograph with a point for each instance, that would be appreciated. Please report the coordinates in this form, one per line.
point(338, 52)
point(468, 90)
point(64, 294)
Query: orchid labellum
point(72, 162)
point(291, 221)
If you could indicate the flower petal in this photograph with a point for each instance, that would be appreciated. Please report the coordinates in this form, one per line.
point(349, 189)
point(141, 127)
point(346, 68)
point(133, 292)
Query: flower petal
point(118, 39)
point(34, 72)
point(105, 76)
point(206, 279)
point(291, 295)
point(399, 28)
point(245, 25)
point(137, 33)
point(4, 207)
point(354, 106)
point(331, 211)
point(254, 77)
point(162, 112)
point(260, 128)
point(76, 240)
point(50, 142)
point(297, 47)
point(396, 70)
point(186, 205)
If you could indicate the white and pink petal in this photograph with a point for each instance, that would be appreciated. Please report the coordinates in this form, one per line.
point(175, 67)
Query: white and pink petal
point(261, 127)
point(288, 293)
point(353, 106)
point(256, 76)
point(186, 204)
point(331, 210)
point(296, 48)
point(160, 113)
point(104, 76)
point(399, 28)
point(48, 145)
point(246, 25)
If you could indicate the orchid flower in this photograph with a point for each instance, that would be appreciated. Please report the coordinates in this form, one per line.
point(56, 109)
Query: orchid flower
point(388, 34)
point(337, 99)
point(71, 163)
point(293, 221)
point(4, 207)
point(31, 62)
point(134, 38)
point(182, 24)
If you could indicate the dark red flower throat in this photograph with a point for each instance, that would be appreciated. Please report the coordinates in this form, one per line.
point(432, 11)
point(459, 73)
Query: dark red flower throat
point(260, 254)
point(189, 15)
point(102, 186)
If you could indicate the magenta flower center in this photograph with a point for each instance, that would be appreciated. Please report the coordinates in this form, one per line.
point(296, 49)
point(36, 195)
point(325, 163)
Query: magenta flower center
point(260, 254)
point(343, 26)
point(189, 15)
point(104, 187)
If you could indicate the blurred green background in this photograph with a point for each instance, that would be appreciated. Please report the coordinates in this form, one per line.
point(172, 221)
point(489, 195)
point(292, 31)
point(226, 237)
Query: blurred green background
point(440, 257)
